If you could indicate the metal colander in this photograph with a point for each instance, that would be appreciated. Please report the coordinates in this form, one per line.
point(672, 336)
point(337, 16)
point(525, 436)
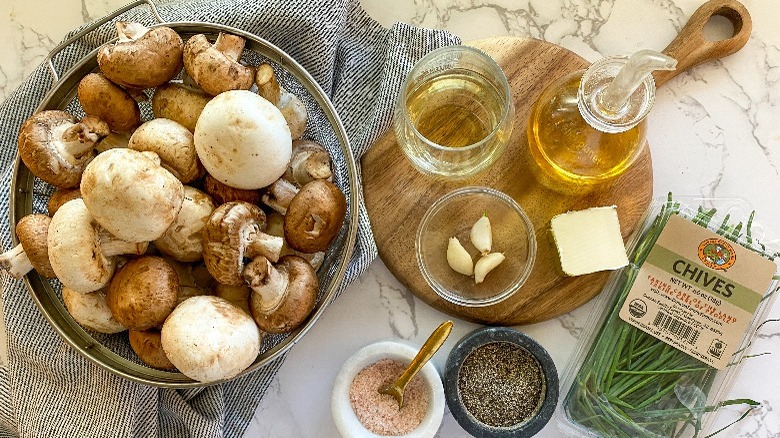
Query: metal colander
point(29, 195)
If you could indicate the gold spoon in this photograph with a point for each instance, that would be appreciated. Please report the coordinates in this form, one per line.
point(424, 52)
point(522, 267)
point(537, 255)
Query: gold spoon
point(429, 348)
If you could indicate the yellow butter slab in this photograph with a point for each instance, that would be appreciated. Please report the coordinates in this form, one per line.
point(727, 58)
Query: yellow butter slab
point(589, 240)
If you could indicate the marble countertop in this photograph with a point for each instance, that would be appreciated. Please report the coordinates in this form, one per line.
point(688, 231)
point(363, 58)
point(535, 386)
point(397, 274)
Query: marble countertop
point(714, 132)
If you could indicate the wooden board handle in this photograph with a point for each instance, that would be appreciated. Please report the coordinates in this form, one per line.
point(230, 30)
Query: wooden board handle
point(691, 48)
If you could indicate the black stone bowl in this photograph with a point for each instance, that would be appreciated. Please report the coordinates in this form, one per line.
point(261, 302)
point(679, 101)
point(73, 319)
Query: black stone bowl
point(489, 335)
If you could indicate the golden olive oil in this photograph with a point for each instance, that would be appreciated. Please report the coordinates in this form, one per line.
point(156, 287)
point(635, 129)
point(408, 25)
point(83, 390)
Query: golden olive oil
point(569, 152)
point(456, 109)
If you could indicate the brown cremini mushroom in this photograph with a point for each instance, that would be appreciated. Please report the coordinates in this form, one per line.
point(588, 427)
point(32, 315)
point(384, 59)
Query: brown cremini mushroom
point(223, 193)
point(56, 147)
point(104, 99)
point(313, 215)
point(32, 252)
point(208, 339)
point(180, 103)
point(143, 293)
point(59, 197)
point(81, 253)
point(183, 240)
point(131, 195)
point(283, 295)
point(309, 161)
point(275, 227)
point(216, 67)
point(91, 310)
point(235, 232)
point(148, 347)
point(290, 105)
point(173, 143)
point(142, 57)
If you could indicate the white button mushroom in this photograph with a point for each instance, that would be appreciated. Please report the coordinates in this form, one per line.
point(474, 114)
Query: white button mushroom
point(56, 147)
point(142, 57)
point(80, 252)
point(182, 240)
point(283, 295)
point(32, 251)
point(131, 195)
point(235, 232)
point(309, 161)
point(243, 140)
point(91, 311)
point(208, 339)
point(173, 143)
point(216, 68)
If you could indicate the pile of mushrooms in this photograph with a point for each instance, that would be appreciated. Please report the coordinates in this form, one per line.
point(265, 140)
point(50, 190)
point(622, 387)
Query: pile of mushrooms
point(194, 232)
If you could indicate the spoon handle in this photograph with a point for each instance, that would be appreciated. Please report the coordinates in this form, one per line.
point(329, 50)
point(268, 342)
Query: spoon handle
point(429, 348)
point(691, 48)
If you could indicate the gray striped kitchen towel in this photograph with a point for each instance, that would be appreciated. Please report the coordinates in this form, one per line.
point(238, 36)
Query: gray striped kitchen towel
point(47, 389)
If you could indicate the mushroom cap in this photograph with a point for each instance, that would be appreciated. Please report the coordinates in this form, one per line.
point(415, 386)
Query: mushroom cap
point(173, 143)
point(314, 216)
point(148, 347)
point(130, 195)
point(243, 140)
point(91, 311)
point(102, 98)
point(216, 67)
point(225, 238)
point(297, 303)
point(143, 293)
point(74, 249)
point(183, 240)
point(208, 339)
point(179, 103)
point(59, 197)
point(222, 193)
point(40, 149)
point(142, 57)
point(33, 231)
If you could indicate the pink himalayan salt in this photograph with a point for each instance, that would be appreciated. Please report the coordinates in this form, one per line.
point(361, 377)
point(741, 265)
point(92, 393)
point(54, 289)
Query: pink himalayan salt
point(379, 413)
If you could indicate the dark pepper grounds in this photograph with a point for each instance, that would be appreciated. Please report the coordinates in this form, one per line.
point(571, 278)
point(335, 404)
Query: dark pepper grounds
point(501, 384)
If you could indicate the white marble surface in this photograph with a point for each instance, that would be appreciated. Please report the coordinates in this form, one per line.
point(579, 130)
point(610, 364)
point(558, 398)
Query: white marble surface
point(713, 132)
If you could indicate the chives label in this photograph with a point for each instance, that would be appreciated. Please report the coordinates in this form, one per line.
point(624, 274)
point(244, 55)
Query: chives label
point(697, 292)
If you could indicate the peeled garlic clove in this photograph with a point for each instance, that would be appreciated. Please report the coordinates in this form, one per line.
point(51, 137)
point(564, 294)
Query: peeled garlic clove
point(458, 258)
point(482, 235)
point(486, 264)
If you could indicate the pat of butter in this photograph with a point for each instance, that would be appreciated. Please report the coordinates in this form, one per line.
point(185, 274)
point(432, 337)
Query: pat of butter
point(589, 240)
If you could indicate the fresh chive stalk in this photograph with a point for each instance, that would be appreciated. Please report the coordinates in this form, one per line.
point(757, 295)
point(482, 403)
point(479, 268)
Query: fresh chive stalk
point(630, 383)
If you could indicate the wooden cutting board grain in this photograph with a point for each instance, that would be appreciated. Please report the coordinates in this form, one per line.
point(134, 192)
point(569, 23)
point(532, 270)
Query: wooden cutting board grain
point(397, 195)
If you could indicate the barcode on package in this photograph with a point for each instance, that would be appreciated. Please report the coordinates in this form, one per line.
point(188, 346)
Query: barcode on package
point(676, 327)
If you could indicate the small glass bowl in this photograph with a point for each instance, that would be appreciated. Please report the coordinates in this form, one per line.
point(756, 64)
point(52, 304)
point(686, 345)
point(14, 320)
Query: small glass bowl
point(347, 422)
point(490, 335)
point(453, 216)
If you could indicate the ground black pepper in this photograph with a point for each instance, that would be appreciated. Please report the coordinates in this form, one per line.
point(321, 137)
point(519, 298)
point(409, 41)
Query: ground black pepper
point(501, 384)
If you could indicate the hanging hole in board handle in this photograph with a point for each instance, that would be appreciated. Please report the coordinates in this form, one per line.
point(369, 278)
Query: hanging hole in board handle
point(92, 26)
point(691, 48)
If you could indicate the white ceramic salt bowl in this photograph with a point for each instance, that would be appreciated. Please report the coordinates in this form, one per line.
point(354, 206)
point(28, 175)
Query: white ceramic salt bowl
point(348, 424)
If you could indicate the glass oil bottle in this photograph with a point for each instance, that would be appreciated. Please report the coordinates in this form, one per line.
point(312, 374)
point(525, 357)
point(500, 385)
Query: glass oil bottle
point(589, 126)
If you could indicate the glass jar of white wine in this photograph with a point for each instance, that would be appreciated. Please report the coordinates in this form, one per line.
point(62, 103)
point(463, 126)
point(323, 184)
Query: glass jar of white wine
point(454, 114)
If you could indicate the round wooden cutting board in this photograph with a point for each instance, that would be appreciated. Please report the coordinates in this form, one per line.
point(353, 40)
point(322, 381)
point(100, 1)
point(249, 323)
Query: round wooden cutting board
point(397, 196)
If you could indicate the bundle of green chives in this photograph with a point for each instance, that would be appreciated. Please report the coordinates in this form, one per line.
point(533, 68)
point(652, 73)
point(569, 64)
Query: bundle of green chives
point(632, 384)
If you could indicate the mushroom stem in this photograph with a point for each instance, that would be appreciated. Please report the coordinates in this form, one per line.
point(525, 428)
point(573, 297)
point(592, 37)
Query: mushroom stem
point(16, 262)
point(128, 31)
point(268, 282)
point(80, 138)
point(231, 46)
point(279, 195)
point(111, 245)
point(267, 85)
point(266, 245)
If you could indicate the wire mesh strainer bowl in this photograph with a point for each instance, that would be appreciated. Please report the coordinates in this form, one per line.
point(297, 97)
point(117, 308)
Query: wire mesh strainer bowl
point(29, 195)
